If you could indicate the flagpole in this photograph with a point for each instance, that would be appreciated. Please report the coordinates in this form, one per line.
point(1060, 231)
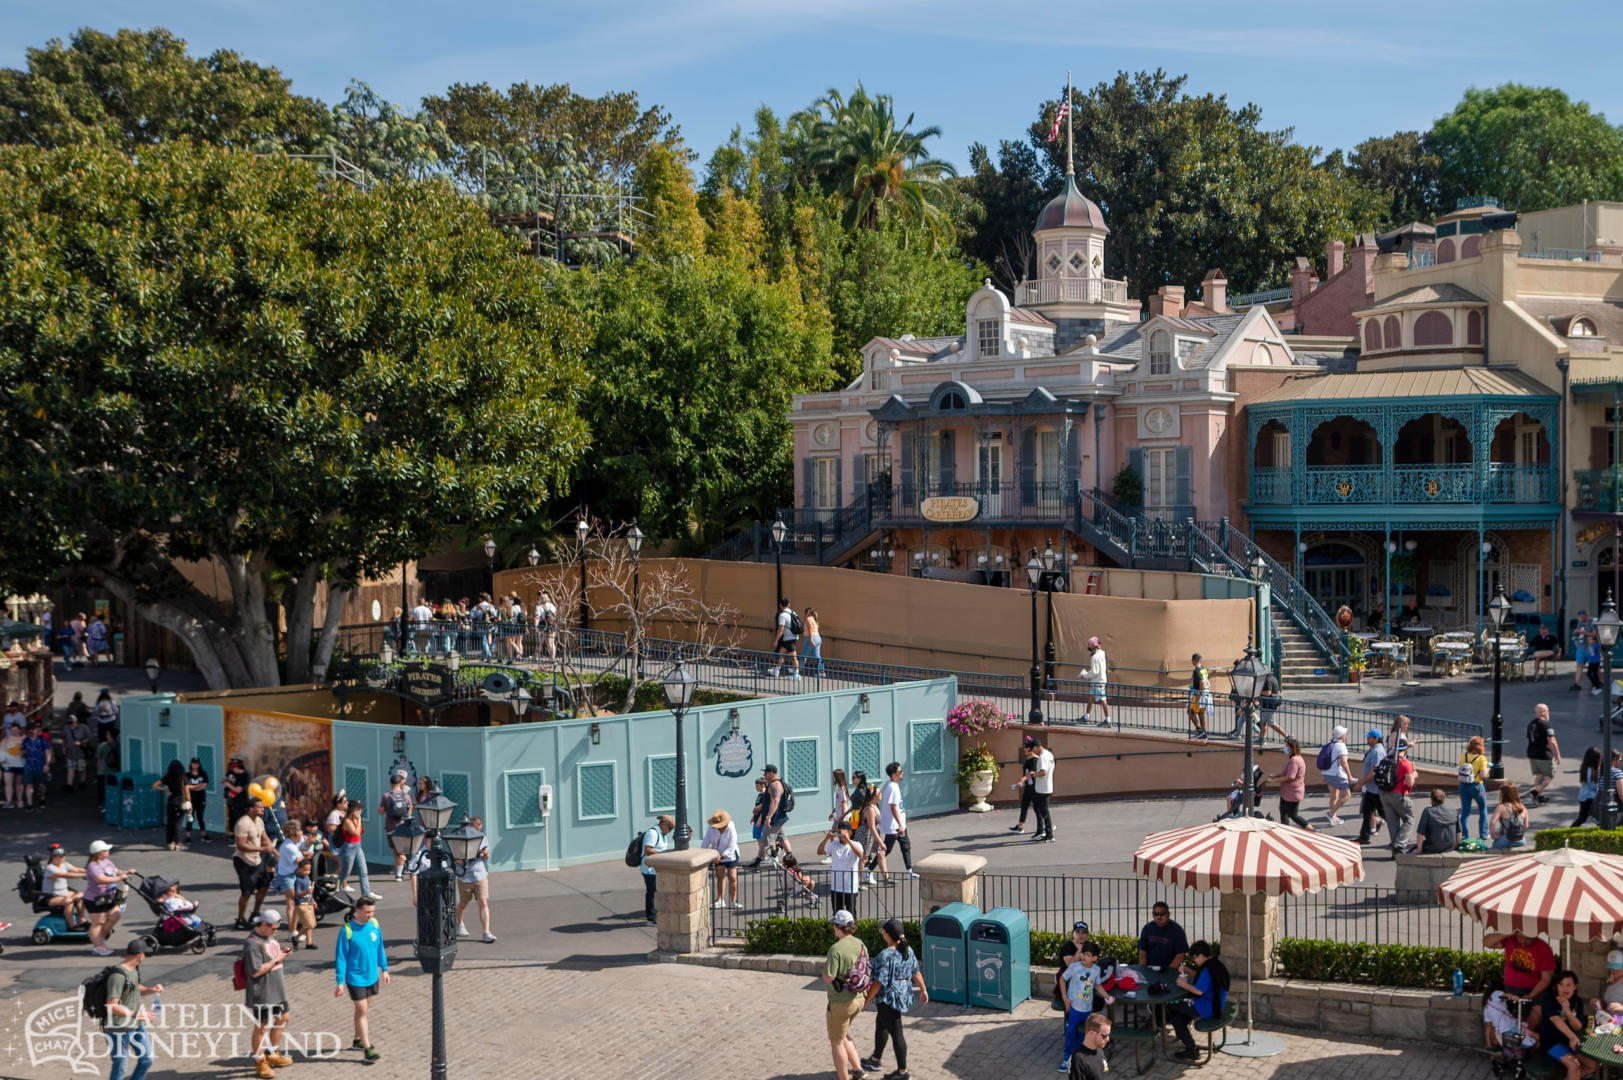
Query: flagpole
point(1070, 169)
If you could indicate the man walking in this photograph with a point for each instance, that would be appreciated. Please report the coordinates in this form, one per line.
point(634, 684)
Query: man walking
point(252, 845)
point(473, 885)
point(1200, 698)
point(1097, 675)
point(1396, 805)
point(1543, 752)
point(362, 969)
point(788, 636)
point(266, 994)
point(773, 817)
point(893, 814)
point(844, 1003)
point(79, 746)
point(126, 1023)
point(1369, 805)
point(1042, 789)
point(396, 806)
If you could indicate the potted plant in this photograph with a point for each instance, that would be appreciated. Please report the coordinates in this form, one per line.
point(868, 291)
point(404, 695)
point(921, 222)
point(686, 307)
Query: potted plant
point(1356, 659)
point(977, 771)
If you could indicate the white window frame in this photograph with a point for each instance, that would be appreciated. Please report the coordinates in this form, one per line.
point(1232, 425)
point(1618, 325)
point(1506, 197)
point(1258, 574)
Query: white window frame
point(580, 811)
point(989, 337)
point(942, 728)
point(1160, 357)
point(507, 803)
point(648, 783)
point(1166, 458)
point(850, 763)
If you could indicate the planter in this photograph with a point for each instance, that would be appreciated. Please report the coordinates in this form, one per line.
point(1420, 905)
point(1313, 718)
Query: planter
point(980, 786)
point(1355, 677)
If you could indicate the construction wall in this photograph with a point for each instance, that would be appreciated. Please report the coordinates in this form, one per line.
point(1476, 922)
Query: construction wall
point(889, 619)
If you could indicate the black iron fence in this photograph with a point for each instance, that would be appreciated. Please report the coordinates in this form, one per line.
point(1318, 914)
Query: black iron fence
point(1376, 915)
point(1109, 905)
point(771, 892)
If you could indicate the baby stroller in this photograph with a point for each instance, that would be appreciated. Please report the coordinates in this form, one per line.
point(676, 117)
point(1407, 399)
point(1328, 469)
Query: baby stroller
point(329, 899)
point(1235, 806)
point(53, 922)
point(799, 890)
point(173, 930)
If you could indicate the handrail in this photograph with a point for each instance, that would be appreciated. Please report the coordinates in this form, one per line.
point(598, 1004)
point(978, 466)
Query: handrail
point(1115, 526)
point(1290, 594)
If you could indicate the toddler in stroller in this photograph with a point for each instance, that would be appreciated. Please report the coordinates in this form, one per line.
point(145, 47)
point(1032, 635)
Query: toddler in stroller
point(179, 926)
point(1235, 806)
point(798, 887)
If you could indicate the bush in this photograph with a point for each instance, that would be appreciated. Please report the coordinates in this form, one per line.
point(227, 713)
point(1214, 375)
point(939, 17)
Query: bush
point(814, 937)
point(1608, 841)
point(1113, 948)
point(1413, 966)
point(608, 691)
point(977, 716)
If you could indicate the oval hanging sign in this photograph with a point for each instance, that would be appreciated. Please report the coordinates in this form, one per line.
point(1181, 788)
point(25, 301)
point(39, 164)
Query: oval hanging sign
point(949, 508)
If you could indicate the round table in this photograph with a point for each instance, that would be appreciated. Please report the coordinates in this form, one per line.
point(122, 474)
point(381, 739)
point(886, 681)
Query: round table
point(1143, 997)
point(1598, 1048)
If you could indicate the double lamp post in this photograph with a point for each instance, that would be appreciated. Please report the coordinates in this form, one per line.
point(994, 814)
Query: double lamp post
point(1042, 571)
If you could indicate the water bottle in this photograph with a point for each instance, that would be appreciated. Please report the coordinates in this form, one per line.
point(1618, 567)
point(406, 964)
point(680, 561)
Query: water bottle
point(157, 1010)
point(1459, 982)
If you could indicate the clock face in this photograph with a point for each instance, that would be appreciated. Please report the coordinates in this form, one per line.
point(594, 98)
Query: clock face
point(824, 434)
point(1158, 421)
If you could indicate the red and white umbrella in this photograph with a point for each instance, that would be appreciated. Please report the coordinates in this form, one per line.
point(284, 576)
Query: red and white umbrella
point(1249, 855)
point(1560, 893)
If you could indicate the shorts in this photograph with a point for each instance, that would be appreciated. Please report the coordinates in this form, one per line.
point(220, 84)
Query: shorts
point(787, 645)
point(1340, 783)
point(304, 917)
point(1098, 691)
point(472, 890)
point(281, 883)
point(772, 834)
point(1542, 767)
point(103, 903)
point(840, 1016)
point(14, 770)
point(1559, 1051)
point(361, 993)
point(267, 1014)
point(35, 776)
point(250, 879)
point(727, 864)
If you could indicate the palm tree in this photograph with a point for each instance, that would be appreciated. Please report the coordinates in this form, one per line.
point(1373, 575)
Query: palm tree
point(857, 150)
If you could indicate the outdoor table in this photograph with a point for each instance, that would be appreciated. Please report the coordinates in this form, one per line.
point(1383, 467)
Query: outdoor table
point(1152, 1002)
point(1395, 652)
point(1598, 1048)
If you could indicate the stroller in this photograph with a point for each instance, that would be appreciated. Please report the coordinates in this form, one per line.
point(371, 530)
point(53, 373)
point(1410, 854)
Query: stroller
point(328, 898)
point(799, 890)
point(1235, 806)
point(173, 931)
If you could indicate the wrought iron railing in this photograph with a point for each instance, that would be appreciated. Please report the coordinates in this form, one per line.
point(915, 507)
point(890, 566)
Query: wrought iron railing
point(1377, 916)
point(1290, 594)
point(1109, 905)
point(1562, 254)
point(770, 892)
point(1047, 501)
point(1376, 485)
point(1598, 490)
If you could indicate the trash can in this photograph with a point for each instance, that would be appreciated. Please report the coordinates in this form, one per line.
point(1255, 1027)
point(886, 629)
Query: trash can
point(139, 810)
point(112, 802)
point(945, 952)
point(1000, 959)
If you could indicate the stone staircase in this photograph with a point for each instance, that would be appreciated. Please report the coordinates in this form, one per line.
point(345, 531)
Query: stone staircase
point(1302, 664)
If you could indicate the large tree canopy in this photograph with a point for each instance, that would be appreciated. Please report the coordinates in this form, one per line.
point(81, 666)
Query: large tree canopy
point(207, 355)
point(137, 88)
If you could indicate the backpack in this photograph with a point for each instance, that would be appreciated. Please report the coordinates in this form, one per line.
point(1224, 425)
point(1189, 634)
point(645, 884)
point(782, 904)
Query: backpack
point(634, 852)
point(796, 627)
point(93, 994)
point(1327, 755)
point(1515, 828)
point(1466, 771)
point(786, 805)
point(1386, 773)
point(239, 974)
point(861, 974)
point(399, 804)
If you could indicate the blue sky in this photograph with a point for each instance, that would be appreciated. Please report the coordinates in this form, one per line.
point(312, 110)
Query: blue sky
point(977, 70)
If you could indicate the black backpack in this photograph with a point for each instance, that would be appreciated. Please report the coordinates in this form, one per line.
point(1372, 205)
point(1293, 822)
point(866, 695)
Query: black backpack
point(786, 805)
point(634, 852)
point(1386, 773)
point(93, 994)
point(796, 627)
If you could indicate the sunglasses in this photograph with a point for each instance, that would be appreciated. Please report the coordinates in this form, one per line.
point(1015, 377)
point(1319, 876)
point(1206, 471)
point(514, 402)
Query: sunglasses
point(1161, 915)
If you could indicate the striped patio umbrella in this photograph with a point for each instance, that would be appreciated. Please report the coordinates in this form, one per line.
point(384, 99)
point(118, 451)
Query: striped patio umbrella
point(1560, 893)
point(1249, 855)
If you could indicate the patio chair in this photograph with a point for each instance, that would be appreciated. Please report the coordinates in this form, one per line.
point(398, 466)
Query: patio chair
point(1217, 1026)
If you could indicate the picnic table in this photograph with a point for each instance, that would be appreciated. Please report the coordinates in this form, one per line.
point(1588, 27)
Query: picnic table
point(1154, 1030)
point(1604, 1050)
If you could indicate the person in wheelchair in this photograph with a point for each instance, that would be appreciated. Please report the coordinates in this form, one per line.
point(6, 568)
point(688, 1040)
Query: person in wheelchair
point(67, 902)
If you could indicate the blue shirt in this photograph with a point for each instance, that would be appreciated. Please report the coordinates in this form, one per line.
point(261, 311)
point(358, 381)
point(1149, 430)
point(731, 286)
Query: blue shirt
point(359, 954)
point(893, 974)
point(34, 750)
point(1211, 1001)
point(654, 838)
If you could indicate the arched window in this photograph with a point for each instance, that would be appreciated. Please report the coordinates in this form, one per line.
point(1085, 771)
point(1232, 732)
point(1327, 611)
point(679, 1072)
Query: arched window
point(1262, 355)
point(1372, 335)
point(1470, 247)
point(952, 401)
point(1392, 333)
point(1160, 353)
point(1445, 251)
point(1581, 328)
point(1433, 328)
point(1473, 328)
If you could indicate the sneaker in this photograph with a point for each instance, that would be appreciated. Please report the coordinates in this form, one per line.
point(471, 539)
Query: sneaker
point(1595, 692)
point(1187, 1055)
point(736, 906)
point(372, 1054)
point(489, 938)
point(796, 677)
point(356, 1044)
point(1049, 839)
point(308, 944)
point(1039, 838)
point(374, 897)
point(717, 906)
point(912, 876)
point(1065, 1065)
point(461, 930)
point(867, 879)
point(1017, 828)
point(871, 1064)
point(101, 950)
point(1574, 688)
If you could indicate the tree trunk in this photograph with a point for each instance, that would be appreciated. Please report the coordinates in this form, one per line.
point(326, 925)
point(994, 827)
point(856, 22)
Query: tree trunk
point(255, 636)
point(195, 619)
point(299, 604)
point(336, 597)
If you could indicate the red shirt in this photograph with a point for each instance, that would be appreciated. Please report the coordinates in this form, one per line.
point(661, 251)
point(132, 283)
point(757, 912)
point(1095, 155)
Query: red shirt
point(1526, 959)
point(1405, 782)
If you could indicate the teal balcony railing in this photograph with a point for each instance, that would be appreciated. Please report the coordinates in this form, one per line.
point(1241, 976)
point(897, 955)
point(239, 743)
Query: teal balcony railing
point(1521, 484)
point(1342, 484)
point(1271, 485)
point(1597, 490)
point(1409, 485)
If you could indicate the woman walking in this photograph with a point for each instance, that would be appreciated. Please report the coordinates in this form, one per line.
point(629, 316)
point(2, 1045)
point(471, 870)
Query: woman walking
point(1473, 770)
point(1588, 785)
point(812, 643)
point(1509, 821)
point(174, 782)
point(1292, 778)
point(896, 976)
point(867, 838)
point(842, 799)
point(197, 793)
point(350, 856)
point(722, 837)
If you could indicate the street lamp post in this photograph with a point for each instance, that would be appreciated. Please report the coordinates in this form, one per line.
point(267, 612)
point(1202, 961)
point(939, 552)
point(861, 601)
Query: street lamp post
point(679, 685)
point(1606, 630)
point(582, 527)
point(1039, 574)
point(1498, 612)
point(154, 669)
point(436, 901)
point(1259, 566)
point(1248, 678)
point(779, 531)
point(1050, 576)
point(634, 539)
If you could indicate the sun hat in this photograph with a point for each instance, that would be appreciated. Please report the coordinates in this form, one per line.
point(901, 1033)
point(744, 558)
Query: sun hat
point(99, 846)
point(843, 917)
point(721, 819)
point(666, 819)
point(1338, 732)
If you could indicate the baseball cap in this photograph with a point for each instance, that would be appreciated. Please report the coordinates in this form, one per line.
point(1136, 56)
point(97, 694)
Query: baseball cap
point(1338, 732)
point(136, 947)
point(1374, 733)
point(99, 846)
point(270, 916)
point(1614, 960)
point(1080, 925)
point(843, 917)
point(1093, 643)
point(401, 774)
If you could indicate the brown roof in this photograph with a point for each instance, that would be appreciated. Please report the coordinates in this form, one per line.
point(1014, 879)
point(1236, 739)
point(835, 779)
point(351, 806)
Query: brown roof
point(912, 346)
point(1444, 293)
point(1558, 315)
point(1413, 383)
point(1032, 318)
point(1071, 209)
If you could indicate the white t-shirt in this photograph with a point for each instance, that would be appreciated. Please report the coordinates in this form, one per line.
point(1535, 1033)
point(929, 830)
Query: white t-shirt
point(474, 870)
point(1045, 784)
point(1338, 761)
point(56, 878)
point(545, 612)
point(845, 862)
point(892, 810)
point(422, 615)
point(784, 624)
point(1096, 666)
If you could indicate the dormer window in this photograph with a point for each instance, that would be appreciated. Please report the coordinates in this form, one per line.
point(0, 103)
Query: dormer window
point(952, 401)
point(989, 335)
point(1160, 353)
point(1581, 328)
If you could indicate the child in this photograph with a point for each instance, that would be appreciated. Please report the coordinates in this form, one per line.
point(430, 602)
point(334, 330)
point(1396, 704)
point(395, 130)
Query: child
point(797, 886)
point(1083, 978)
point(179, 908)
point(304, 906)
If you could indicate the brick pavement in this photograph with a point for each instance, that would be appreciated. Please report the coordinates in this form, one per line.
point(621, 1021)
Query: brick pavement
point(585, 1021)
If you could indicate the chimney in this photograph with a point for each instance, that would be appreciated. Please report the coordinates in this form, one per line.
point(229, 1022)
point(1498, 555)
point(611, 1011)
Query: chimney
point(1214, 291)
point(1362, 259)
point(1168, 300)
point(1333, 254)
point(1301, 281)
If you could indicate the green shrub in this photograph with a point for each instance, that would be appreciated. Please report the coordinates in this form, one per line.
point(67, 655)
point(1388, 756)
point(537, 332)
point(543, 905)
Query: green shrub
point(608, 691)
point(814, 937)
point(1413, 966)
point(1609, 841)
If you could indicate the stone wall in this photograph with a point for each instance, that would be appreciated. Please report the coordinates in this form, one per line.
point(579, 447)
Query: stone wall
point(1376, 1011)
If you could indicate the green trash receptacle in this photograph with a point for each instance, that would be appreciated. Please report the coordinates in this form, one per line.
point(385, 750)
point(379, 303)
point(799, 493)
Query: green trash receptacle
point(946, 955)
point(999, 945)
point(140, 809)
point(112, 803)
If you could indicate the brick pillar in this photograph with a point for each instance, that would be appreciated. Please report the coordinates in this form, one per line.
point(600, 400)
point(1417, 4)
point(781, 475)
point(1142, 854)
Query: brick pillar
point(1588, 961)
point(1264, 929)
point(681, 915)
point(945, 879)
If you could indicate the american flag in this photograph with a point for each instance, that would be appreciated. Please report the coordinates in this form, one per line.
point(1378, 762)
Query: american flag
point(1064, 111)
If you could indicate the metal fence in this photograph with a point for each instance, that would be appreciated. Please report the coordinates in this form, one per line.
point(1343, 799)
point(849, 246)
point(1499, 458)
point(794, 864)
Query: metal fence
point(1376, 916)
point(769, 893)
point(1109, 905)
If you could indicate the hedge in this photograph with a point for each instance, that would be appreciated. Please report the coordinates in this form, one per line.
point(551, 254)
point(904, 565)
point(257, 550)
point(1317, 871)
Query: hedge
point(610, 690)
point(1609, 841)
point(813, 937)
point(1413, 966)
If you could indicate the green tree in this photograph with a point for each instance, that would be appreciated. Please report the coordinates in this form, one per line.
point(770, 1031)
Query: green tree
point(138, 88)
point(1407, 173)
point(1007, 200)
point(385, 141)
point(1190, 183)
point(1530, 146)
point(211, 357)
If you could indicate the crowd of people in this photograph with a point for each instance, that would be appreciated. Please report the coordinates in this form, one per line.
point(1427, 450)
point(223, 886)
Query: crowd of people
point(494, 628)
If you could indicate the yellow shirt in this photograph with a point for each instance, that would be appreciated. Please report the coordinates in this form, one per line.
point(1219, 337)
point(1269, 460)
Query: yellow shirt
point(1479, 766)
